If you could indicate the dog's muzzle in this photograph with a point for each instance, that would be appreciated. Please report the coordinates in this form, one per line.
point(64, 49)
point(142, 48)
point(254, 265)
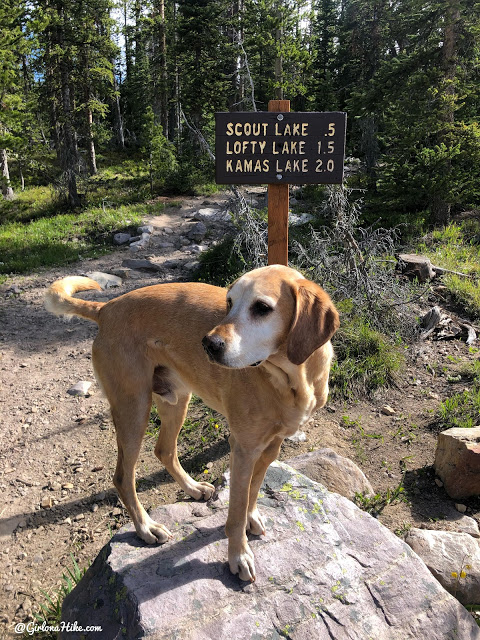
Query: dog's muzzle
point(214, 347)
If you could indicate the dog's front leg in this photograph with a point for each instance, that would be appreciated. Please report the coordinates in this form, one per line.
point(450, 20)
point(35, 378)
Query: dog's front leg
point(240, 556)
point(255, 523)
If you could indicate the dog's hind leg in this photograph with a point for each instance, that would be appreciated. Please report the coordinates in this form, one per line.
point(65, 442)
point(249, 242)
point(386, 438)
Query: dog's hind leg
point(172, 417)
point(130, 417)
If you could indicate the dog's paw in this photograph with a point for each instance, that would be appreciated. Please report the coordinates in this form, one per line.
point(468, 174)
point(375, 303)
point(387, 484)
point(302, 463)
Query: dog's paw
point(244, 564)
point(152, 532)
point(200, 490)
point(255, 524)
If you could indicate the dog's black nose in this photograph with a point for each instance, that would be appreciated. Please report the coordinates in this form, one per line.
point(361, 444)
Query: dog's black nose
point(214, 346)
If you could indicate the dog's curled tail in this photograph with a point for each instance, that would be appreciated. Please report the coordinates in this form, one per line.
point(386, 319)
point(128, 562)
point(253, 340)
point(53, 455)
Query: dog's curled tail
point(59, 301)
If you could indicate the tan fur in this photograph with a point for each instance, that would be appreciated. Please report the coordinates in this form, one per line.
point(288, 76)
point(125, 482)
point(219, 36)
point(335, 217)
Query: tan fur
point(149, 345)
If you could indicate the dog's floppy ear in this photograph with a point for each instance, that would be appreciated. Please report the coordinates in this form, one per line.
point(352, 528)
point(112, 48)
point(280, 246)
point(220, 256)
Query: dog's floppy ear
point(314, 323)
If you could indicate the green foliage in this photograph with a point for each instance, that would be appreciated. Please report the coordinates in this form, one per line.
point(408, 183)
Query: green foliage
point(461, 410)
point(51, 610)
point(194, 174)
point(377, 503)
point(61, 239)
point(36, 231)
point(161, 155)
point(221, 264)
point(366, 359)
point(457, 247)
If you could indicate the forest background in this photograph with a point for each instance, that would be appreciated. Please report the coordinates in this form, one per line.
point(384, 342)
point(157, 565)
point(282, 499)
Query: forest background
point(80, 79)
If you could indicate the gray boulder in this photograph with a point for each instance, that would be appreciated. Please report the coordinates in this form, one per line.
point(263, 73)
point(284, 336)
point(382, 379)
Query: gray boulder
point(212, 215)
point(142, 243)
point(80, 389)
point(337, 473)
point(105, 280)
point(121, 238)
point(325, 570)
point(136, 263)
point(296, 220)
point(453, 558)
point(147, 228)
point(197, 232)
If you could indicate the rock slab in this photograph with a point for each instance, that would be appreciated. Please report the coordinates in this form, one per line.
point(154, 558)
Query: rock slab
point(325, 570)
point(453, 558)
point(337, 473)
point(457, 461)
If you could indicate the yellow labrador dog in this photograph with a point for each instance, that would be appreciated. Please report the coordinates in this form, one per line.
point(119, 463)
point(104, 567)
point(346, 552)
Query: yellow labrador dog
point(259, 353)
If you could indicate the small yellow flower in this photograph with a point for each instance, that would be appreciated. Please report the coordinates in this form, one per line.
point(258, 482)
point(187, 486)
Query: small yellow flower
point(206, 471)
point(216, 426)
point(454, 574)
point(468, 566)
point(463, 574)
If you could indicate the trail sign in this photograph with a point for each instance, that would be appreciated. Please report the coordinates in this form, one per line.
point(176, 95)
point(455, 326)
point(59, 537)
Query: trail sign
point(279, 148)
point(274, 148)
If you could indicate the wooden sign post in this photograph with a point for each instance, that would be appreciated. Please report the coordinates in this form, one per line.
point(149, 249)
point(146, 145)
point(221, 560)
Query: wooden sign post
point(279, 148)
point(278, 206)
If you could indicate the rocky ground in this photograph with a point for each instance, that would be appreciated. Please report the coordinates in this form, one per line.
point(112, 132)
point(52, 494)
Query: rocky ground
point(58, 450)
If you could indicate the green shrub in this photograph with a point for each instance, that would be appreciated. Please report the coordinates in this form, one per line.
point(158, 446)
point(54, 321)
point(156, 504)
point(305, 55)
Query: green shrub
point(457, 247)
point(366, 360)
point(461, 409)
point(221, 264)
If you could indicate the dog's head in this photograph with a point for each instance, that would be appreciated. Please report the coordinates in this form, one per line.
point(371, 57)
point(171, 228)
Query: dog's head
point(267, 308)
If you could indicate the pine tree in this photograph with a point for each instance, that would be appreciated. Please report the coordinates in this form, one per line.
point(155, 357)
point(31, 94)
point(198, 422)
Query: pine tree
point(206, 58)
point(12, 46)
point(323, 84)
point(278, 45)
point(94, 72)
point(428, 93)
point(56, 28)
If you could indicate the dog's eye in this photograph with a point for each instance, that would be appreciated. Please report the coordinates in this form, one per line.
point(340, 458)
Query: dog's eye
point(261, 308)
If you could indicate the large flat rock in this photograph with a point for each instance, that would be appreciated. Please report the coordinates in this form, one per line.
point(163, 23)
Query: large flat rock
point(325, 569)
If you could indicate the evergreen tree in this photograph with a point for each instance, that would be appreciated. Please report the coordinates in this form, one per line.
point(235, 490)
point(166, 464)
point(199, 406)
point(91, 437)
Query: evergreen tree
point(12, 46)
point(428, 94)
point(278, 45)
point(56, 29)
point(323, 84)
point(206, 58)
point(93, 69)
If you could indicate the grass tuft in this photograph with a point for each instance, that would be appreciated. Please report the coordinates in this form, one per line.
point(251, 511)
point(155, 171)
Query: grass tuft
point(366, 360)
point(51, 610)
point(457, 247)
point(462, 409)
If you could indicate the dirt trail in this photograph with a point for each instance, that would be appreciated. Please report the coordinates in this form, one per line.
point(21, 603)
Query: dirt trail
point(59, 451)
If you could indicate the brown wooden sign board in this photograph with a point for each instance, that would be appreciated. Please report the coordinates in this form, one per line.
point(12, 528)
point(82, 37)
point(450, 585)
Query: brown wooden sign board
point(278, 148)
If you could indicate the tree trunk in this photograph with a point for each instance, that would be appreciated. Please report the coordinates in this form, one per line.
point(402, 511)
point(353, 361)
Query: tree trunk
point(440, 209)
point(92, 159)
point(178, 106)
point(87, 95)
point(68, 152)
point(279, 57)
point(117, 114)
point(7, 190)
point(164, 74)
point(52, 92)
point(440, 206)
point(159, 66)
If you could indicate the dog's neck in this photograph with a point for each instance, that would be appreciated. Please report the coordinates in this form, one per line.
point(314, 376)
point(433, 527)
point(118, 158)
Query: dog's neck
point(290, 380)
